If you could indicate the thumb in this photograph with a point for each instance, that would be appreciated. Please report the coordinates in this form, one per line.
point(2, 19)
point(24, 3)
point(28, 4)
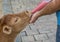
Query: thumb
point(34, 17)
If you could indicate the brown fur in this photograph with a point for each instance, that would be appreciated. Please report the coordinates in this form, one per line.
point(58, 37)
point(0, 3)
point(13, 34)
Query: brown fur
point(12, 20)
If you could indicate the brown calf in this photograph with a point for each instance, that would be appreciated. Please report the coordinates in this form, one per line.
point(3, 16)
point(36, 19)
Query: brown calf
point(12, 24)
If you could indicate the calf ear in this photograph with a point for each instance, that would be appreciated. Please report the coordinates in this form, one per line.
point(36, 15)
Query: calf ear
point(0, 25)
point(7, 29)
point(1, 21)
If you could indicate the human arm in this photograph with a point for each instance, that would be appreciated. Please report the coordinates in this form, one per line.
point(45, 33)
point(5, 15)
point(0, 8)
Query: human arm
point(51, 7)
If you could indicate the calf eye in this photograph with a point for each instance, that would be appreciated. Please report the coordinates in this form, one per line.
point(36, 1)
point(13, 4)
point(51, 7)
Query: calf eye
point(17, 19)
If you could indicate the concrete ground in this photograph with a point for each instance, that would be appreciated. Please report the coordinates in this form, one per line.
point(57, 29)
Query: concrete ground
point(1, 13)
point(0, 6)
point(43, 30)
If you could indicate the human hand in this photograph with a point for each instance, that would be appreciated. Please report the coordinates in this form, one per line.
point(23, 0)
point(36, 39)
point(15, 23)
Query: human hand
point(34, 17)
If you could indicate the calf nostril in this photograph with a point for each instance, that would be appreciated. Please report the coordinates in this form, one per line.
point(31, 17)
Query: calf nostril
point(6, 29)
point(16, 19)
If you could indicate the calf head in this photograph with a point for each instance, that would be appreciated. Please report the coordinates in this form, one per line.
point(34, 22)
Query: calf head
point(12, 24)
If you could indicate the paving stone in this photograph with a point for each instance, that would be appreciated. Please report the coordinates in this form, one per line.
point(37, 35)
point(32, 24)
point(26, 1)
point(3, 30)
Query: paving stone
point(38, 41)
point(53, 40)
point(7, 7)
point(26, 28)
point(51, 35)
point(27, 39)
point(41, 37)
point(31, 32)
point(34, 27)
point(49, 40)
point(1, 8)
point(37, 24)
point(46, 41)
point(18, 38)
point(22, 33)
point(34, 2)
point(17, 7)
point(6, 1)
point(28, 3)
point(44, 31)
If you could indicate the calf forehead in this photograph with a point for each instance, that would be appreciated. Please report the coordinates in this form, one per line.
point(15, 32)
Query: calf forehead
point(6, 19)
